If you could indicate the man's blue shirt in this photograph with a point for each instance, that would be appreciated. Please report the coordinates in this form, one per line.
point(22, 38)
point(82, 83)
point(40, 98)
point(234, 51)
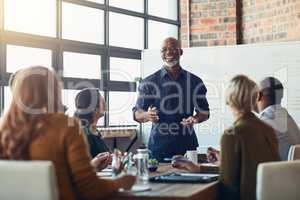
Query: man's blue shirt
point(174, 99)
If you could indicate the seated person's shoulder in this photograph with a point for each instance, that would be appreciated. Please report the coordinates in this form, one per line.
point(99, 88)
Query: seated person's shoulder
point(236, 130)
point(62, 121)
point(229, 131)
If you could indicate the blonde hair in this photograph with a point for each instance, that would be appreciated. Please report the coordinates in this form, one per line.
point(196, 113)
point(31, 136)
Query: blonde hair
point(36, 91)
point(241, 93)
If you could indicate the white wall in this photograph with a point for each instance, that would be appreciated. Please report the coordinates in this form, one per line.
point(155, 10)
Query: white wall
point(216, 65)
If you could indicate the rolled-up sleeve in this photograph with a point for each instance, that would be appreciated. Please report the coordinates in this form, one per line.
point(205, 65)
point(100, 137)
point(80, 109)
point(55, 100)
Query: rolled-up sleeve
point(200, 101)
point(144, 99)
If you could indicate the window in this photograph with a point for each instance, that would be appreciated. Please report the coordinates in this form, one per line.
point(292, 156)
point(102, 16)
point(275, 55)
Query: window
point(82, 23)
point(31, 16)
point(82, 65)
point(7, 99)
point(122, 69)
point(131, 36)
point(19, 57)
point(120, 112)
point(165, 8)
point(97, 1)
point(134, 5)
point(158, 31)
point(90, 43)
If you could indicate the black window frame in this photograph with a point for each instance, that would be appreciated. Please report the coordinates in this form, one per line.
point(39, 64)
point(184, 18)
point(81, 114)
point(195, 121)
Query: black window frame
point(58, 45)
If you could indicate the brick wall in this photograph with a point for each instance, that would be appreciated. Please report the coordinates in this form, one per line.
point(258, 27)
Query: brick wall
point(213, 22)
point(271, 20)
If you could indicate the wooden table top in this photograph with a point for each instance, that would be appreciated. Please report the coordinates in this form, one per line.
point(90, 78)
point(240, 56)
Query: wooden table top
point(174, 191)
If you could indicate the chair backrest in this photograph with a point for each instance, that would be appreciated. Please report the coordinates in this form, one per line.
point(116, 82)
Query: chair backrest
point(294, 152)
point(278, 181)
point(27, 180)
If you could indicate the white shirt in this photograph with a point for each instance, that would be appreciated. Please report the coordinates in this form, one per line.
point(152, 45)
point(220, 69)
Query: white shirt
point(287, 131)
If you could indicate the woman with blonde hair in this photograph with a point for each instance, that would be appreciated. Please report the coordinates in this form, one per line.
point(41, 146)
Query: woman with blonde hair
point(35, 128)
point(243, 146)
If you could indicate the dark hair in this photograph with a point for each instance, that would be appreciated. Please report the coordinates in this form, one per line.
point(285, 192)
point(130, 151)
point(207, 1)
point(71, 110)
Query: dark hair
point(272, 88)
point(87, 103)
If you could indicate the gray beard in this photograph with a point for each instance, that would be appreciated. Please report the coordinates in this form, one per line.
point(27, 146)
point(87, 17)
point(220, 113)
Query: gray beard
point(171, 64)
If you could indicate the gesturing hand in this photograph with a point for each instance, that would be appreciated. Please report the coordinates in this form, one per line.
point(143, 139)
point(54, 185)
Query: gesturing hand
point(151, 114)
point(189, 121)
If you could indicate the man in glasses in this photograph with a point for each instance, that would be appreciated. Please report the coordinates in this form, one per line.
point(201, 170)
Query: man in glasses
point(173, 99)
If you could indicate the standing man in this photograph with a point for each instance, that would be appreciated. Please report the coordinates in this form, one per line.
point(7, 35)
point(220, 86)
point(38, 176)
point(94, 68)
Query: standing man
point(173, 99)
point(272, 113)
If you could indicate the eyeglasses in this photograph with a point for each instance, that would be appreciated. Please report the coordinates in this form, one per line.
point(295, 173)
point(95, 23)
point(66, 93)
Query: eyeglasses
point(173, 50)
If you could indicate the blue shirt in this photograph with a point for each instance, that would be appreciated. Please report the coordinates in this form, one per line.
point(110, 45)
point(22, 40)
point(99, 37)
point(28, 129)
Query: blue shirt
point(174, 100)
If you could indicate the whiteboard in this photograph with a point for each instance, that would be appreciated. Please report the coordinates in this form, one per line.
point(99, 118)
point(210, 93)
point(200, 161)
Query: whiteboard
point(216, 65)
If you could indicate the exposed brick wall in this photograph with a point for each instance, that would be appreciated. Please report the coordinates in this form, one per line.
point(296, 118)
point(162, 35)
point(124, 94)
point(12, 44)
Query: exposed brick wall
point(213, 22)
point(184, 29)
point(271, 20)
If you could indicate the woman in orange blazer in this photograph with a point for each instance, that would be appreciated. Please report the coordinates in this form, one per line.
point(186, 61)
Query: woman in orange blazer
point(35, 128)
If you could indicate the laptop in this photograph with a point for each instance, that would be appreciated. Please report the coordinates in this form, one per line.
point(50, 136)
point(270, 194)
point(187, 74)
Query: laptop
point(184, 178)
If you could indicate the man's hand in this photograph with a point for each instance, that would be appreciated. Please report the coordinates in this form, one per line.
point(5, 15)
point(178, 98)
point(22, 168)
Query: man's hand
point(213, 155)
point(189, 121)
point(151, 114)
point(101, 161)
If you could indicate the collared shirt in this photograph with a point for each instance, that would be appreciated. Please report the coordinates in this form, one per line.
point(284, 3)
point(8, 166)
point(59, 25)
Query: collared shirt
point(174, 99)
point(287, 131)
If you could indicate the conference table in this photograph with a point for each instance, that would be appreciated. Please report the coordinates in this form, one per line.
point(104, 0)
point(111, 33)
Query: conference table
point(171, 191)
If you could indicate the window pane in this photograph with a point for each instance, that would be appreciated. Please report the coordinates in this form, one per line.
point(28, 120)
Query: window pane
point(7, 99)
point(123, 69)
point(31, 16)
point(126, 37)
point(82, 23)
point(97, 1)
point(120, 112)
point(165, 8)
point(158, 31)
point(68, 99)
point(19, 57)
point(135, 5)
point(82, 65)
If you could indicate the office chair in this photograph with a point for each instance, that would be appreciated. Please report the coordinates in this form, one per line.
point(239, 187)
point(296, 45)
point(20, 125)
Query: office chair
point(27, 180)
point(278, 181)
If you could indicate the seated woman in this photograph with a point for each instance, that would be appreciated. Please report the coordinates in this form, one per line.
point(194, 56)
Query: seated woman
point(89, 109)
point(34, 128)
point(243, 146)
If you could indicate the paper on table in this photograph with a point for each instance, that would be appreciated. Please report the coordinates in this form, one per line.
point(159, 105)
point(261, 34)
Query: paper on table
point(137, 188)
point(104, 174)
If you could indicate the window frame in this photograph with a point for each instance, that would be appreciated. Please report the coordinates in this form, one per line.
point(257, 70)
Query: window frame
point(58, 45)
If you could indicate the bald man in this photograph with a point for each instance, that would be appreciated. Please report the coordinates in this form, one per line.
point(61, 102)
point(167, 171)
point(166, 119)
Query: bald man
point(272, 113)
point(173, 99)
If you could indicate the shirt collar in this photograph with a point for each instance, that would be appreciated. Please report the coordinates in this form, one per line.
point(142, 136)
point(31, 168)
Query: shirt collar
point(164, 72)
point(268, 110)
